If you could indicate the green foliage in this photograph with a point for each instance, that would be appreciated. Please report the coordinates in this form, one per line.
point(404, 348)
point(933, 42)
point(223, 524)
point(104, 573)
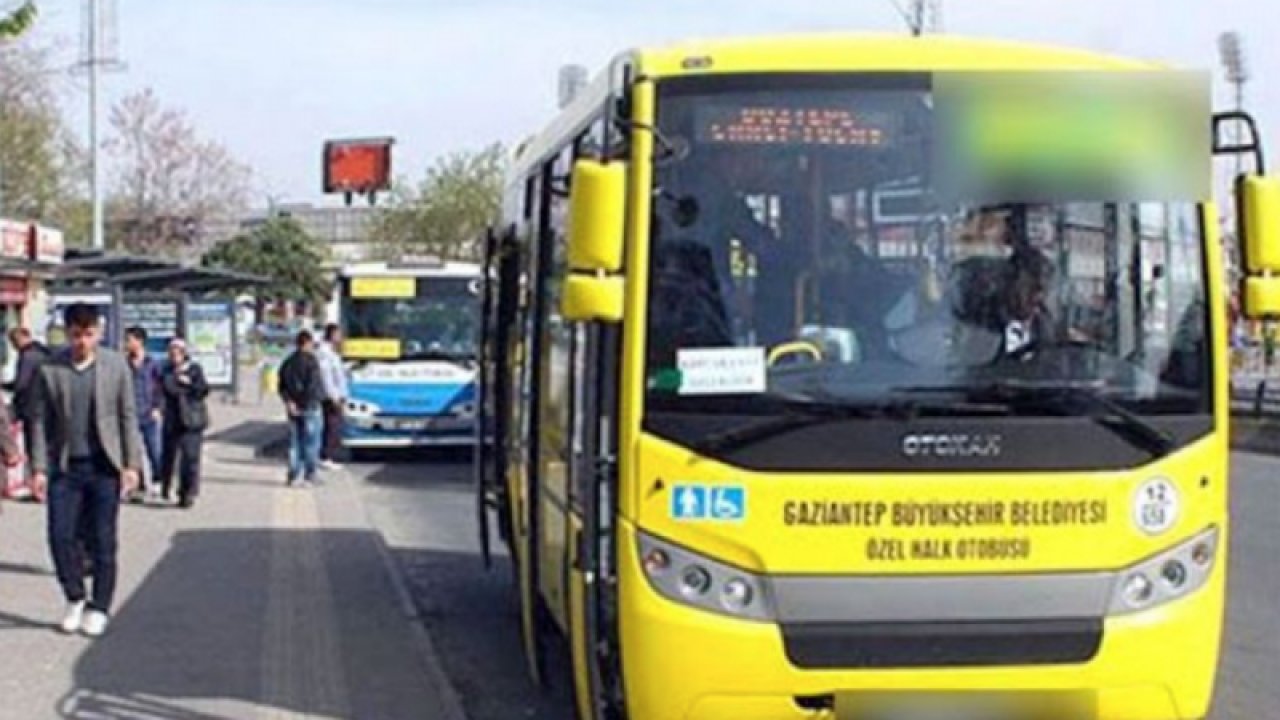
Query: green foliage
point(448, 211)
point(18, 21)
point(282, 250)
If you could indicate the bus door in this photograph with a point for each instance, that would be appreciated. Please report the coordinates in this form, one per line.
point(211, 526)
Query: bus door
point(493, 407)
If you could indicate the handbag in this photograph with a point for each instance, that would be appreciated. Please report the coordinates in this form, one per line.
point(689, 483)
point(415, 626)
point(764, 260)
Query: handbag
point(193, 413)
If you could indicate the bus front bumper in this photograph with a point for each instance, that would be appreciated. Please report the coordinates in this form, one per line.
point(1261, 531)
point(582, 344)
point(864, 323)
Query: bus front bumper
point(365, 433)
point(681, 663)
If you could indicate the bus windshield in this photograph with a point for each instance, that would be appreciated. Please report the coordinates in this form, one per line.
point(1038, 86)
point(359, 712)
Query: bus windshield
point(438, 321)
point(800, 255)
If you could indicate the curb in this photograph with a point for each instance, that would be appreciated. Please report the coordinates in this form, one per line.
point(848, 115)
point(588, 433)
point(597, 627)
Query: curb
point(450, 701)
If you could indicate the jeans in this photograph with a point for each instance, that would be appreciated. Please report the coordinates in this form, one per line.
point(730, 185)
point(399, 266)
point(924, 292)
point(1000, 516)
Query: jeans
point(181, 449)
point(150, 431)
point(85, 500)
point(304, 444)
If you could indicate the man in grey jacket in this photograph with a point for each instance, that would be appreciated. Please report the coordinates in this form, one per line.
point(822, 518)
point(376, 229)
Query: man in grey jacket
point(86, 453)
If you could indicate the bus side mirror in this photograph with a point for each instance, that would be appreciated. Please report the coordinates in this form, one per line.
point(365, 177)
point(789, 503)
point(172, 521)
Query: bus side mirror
point(593, 289)
point(597, 205)
point(1258, 204)
point(592, 298)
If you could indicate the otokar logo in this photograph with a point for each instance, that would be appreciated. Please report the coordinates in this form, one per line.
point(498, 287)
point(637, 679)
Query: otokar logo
point(951, 445)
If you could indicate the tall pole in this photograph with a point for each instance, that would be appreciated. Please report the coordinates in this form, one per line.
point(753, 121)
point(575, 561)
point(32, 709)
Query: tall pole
point(95, 161)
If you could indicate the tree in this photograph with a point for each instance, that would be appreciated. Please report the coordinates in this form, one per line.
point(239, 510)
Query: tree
point(168, 183)
point(18, 21)
point(448, 211)
point(42, 174)
point(279, 249)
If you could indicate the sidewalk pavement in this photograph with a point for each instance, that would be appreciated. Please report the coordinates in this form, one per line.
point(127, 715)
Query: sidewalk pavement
point(261, 602)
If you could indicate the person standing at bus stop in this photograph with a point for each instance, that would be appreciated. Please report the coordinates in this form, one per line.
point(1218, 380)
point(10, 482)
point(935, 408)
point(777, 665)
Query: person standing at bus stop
point(333, 374)
point(149, 399)
point(302, 390)
point(86, 454)
point(186, 417)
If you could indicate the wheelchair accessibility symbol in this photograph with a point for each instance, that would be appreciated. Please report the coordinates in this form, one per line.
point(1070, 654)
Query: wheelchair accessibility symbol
point(716, 503)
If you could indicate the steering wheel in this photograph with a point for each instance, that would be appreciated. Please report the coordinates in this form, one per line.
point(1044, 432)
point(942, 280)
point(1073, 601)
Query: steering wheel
point(795, 347)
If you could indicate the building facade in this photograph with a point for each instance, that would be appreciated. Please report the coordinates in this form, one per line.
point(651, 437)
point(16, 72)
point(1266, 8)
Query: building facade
point(30, 255)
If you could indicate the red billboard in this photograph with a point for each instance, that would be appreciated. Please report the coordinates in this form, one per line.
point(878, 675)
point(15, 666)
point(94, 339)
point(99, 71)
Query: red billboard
point(358, 167)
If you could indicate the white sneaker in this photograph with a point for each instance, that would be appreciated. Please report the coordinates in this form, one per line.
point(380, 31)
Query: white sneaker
point(95, 623)
point(74, 619)
point(330, 465)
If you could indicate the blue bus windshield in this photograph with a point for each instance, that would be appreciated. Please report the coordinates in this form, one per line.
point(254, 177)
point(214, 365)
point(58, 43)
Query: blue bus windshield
point(438, 322)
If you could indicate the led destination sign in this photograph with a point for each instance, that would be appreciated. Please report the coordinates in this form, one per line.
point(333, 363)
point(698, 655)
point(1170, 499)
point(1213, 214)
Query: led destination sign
point(758, 124)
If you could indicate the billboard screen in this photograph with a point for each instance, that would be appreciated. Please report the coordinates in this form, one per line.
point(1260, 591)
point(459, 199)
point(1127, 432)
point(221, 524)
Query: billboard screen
point(357, 166)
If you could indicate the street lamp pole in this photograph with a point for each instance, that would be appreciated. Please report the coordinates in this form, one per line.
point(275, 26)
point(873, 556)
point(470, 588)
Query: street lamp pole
point(95, 161)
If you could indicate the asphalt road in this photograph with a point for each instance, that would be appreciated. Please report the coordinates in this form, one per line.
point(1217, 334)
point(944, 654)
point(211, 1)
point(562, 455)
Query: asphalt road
point(425, 509)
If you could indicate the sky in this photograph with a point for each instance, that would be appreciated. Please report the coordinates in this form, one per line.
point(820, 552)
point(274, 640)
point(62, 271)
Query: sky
point(273, 79)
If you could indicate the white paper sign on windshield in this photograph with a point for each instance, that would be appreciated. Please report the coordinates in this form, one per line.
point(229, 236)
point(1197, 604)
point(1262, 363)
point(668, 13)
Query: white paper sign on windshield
point(721, 371)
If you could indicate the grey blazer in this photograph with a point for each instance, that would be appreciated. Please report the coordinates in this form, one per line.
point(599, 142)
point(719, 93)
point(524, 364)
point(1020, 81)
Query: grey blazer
point(117, 418)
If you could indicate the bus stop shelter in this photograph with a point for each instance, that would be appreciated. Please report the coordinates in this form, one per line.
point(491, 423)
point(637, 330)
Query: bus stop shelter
point(168, 299)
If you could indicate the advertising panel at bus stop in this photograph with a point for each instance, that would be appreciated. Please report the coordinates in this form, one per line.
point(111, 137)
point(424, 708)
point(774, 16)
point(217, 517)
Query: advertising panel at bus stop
point(160, 316)
point(211, 340)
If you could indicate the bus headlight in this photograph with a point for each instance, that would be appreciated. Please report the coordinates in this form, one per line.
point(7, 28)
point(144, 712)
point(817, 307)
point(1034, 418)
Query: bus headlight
point(1137, 591)
point(359, 409)
point(701, 582)
point(1168, 576)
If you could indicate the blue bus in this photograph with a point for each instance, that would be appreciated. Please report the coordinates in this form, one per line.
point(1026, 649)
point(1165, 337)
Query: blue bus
point(410, 333)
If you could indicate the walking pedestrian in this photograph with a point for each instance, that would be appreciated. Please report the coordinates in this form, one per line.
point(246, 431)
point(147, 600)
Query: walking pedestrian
point(31, 355)
point(186, 416)
point(333, 374)
point(87, 454)
point(148, 397)
point(302, 390)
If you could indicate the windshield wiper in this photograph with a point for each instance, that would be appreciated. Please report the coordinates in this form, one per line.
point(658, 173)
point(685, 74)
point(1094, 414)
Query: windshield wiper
point(802, 413)
point(1108, 413)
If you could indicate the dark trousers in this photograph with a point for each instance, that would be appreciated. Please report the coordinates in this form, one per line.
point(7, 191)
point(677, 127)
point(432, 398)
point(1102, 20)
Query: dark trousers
point(150, 431)
point(84, 504)
point(181, 449)
point(27, 433)
point(331, 448)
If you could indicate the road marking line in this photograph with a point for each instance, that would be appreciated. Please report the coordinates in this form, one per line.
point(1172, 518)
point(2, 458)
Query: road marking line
point(302, 661)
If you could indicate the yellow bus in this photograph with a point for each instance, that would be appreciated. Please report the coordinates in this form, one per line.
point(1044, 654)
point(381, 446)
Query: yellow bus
point(869, 377)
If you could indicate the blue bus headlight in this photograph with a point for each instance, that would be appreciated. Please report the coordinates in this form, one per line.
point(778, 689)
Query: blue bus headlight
point(360, 409)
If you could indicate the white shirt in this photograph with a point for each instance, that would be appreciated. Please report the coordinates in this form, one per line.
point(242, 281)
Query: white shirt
point(333, 373)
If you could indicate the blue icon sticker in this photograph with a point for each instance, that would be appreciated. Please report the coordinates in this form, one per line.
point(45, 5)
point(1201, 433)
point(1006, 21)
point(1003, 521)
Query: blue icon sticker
point(717, 503)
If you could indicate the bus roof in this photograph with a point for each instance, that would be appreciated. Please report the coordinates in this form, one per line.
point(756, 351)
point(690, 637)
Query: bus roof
point(817, 53)
point(845, 52)
point(446, 268)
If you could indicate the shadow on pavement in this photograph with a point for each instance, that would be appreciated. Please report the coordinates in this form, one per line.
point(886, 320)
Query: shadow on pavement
point(24, 569)
point(249, 433)
point(9, 621)
point(216, 622)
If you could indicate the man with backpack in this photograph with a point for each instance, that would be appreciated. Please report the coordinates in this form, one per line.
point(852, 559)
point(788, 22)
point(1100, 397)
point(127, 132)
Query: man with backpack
point(302, 390)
